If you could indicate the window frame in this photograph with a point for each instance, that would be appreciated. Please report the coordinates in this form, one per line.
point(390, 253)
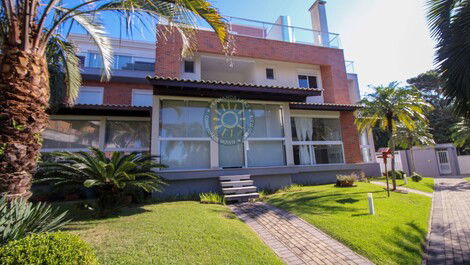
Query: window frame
point(141, 91)
point(272, 72)
point(308, 76)
point(91, 89)
point(193, 66)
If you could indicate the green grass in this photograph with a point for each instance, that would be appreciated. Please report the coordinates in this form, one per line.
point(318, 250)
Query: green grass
point(395, 235)
point(426, 184)
point(467, 179)
point(174, 233)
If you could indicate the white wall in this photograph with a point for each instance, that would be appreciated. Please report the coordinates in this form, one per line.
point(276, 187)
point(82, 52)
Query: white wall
point(464, 164)
point(398, 162)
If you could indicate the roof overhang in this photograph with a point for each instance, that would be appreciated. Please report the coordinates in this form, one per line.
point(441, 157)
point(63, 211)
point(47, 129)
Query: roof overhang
point(324, 106)
point(195, 88)
point(116, 78)
point(104, 110)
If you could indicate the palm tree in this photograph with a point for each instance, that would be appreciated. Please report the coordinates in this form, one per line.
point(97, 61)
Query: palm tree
point(419, 136)
point(461, 133)
point(391, 106)
point(32, 31)
point(449, 21)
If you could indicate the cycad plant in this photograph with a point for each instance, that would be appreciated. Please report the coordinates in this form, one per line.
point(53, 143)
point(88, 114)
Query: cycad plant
point(19, 218)
point(110, 176)
point(389, 107)
point(34, 31)
point(461, 133)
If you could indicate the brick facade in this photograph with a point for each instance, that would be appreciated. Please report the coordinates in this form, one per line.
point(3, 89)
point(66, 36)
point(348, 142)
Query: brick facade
point(117, 93)
point(350, 136)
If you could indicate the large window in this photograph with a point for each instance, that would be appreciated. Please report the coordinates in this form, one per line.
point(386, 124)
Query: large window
point(316, 141)
point(127, 135)
point(90, 95)
point(121, 62)
point(184, 144)
point(142, 97)
point(71, 135)
point(308, 81)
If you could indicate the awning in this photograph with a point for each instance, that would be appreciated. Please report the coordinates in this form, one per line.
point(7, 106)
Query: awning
point(200, 88)
point(324, 106)
point(104, 110)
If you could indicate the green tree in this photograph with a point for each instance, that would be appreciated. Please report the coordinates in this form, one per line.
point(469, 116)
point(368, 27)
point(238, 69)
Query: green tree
point(389, 107)
point(461, 133)
point(31, 31)
point(419, 136)
point(441, 118)
point(449, 22)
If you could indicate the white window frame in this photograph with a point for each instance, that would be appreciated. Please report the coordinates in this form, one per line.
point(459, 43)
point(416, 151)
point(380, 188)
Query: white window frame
point(92, 89)
point(214, 146)
point(312, 144)
point(141, 91)
point(102, 132)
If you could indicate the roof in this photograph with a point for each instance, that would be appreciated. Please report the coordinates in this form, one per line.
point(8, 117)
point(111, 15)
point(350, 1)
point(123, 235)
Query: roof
point(207, 88)
point(105, 109)
point(324, 106)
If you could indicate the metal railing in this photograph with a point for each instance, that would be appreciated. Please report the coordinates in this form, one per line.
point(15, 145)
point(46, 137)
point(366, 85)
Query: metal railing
point(280, 32)
point(350, 67)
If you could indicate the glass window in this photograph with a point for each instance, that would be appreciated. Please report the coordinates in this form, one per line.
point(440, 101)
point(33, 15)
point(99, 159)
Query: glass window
point(266, 153)
point(302, 155)
point(90, 95)
point(68, 134)
point(185, 154)
point(231, 156)
point(326, 130)
point(182, 118)
point(328, 154)
point(269, 73)
point(188, 66)
point(308, 81)
point(267, 122)
point(128, 134)
point(122, 62)
point(94, 60)
point(142, 98)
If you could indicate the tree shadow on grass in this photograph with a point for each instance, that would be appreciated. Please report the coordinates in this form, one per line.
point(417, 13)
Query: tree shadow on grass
point(409, 242)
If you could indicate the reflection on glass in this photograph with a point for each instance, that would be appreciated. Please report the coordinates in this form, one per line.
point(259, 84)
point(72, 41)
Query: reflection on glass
point(128, 134)
point(62, 134)
point(185, 154)
point(328, 154)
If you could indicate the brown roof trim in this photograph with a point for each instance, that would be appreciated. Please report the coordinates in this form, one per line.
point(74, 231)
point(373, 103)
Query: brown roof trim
point(115, 78)
point(324, 106)
point(201, 88)
point(107, 110)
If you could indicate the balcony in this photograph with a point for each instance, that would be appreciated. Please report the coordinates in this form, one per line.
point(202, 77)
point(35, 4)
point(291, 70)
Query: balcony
point(123, 65)
point(350, 67)
point(281, 32)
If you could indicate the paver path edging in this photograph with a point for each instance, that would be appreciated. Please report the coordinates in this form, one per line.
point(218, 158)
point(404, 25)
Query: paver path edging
point(292, 239)
point(449, 237)
point(403, 188)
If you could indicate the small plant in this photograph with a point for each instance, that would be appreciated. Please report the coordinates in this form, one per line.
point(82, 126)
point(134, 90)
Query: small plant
point(19, 218)
point(48, 249)
point(212, 198)
point(291, 188)
point(346, 180)
point(416, 177)
point(362, 177)
point(398, 174)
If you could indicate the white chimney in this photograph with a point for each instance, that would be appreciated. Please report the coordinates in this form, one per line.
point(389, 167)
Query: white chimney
point(319, 22)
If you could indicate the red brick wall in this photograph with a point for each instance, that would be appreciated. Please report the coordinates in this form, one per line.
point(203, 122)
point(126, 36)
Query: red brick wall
point(350, 135)
point(117, 93)
point(331, 61)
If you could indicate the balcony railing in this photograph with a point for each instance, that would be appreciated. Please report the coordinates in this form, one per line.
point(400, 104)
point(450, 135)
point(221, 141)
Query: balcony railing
point(280, 32)
point(350, 67)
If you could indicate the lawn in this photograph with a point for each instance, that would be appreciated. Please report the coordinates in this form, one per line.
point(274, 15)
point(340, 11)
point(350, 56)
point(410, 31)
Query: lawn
point(395, 235)
point(426, 184)
point(174, 233)
point(467, 179)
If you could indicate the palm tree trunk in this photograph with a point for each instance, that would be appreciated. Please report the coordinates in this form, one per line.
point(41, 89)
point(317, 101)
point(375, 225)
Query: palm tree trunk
point(413, 168)
point(24, 96)
point(392, 149)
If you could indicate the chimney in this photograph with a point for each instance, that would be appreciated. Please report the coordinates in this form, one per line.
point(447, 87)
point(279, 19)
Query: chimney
point(319, 22)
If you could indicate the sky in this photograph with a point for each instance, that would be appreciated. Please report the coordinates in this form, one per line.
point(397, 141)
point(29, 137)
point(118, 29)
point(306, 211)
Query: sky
point(388, 40)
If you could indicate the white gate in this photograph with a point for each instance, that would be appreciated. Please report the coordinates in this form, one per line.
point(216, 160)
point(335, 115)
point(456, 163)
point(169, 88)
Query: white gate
point(443, 160)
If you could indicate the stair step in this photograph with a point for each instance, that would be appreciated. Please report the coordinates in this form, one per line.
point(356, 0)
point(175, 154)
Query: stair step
point(238, 183)
point(234, 178)
point(241, 197)
point(239, 190)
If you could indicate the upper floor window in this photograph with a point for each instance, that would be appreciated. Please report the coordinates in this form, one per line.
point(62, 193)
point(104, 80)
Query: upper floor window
point(141, 97)
point(188, 66)
point(269, 73)
point(90, 95)
point(308, 81)
point(122, 62)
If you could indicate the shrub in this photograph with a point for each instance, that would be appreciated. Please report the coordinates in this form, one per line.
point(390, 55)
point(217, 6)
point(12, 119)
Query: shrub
point(19, 218)
point(212, 198)
point(362, 177)
point(345, 180)
point(416, 177)
point(291, 188)
point(48, 249)
point(398, 174)
point(112, 178)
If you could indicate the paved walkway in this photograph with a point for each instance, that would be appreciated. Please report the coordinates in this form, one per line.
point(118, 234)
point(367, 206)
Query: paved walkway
point(293, 239)
point(449, 238)
point(402, 188)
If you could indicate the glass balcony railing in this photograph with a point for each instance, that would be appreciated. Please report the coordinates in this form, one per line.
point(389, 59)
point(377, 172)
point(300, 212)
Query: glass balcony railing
point(281, 32)
point(350, 67)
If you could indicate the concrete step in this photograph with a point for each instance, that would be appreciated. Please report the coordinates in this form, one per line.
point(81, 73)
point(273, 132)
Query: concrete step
point(234, 178)
point(239, 190)
point(239, 183)
point(241, 197)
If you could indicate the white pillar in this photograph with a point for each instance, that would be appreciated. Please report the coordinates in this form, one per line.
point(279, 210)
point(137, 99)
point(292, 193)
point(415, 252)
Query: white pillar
point(154, 139)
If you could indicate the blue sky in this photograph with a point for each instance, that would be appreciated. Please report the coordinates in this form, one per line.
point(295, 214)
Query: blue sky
point(388, 40)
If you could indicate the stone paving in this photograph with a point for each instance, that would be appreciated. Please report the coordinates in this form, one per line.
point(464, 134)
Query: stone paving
point(292, 239)
point(449, 238)
point(402, 188)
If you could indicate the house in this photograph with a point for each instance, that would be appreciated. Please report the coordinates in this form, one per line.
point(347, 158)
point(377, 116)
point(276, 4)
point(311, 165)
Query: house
point(287, 86)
